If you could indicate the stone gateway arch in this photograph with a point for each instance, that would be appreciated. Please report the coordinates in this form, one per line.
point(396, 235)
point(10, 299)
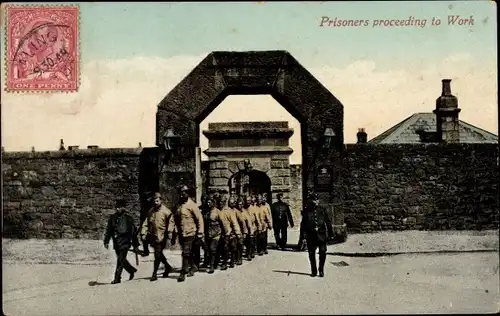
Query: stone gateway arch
point(275, 73)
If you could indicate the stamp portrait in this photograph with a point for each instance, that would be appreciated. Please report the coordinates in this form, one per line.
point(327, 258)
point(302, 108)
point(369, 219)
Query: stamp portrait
point(42, 48)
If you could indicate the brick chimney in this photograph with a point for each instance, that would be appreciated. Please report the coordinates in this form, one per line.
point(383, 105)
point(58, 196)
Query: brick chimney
point(447, 115)
point(73, 147)
point(362, 136)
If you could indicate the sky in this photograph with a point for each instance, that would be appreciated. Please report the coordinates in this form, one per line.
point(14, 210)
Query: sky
point(133, 54)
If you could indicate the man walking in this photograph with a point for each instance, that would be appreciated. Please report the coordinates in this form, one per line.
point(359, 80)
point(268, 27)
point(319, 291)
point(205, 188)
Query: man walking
point(215, 224)
point(281, 216)
point(244, 222)
point(190, 226)
point(157, 229)
point(316, 223)
point(122, 231)
point(229, 212)
point(250, 219)
point(265, 215)
point(254, 211)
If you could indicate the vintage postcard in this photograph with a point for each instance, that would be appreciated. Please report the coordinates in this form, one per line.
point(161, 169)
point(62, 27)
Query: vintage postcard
point(259, 157)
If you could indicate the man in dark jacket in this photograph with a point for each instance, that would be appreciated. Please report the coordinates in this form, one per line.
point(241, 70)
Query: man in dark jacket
point(122, 230)
point(281, 216)
point(316, 222)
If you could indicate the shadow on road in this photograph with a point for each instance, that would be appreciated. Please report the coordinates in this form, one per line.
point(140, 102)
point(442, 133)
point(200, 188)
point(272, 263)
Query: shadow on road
point(95, 283)
point(291, 272)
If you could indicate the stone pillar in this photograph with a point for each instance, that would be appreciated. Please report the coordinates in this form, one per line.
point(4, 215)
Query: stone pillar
point(218, 174)
point(447, 115)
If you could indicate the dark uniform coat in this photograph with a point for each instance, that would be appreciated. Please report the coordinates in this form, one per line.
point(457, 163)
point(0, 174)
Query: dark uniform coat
point(315, 223)
point(281, 214)
point(122, 231)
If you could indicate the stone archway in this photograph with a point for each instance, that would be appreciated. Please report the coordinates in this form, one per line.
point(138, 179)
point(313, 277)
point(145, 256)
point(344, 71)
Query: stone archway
point(276, 73)
point(250, 183)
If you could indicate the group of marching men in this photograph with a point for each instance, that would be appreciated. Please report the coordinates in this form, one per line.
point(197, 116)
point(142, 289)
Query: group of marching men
point(223, 228)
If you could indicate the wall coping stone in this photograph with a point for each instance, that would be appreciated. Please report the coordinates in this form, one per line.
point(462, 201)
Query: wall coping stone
point(79, 153)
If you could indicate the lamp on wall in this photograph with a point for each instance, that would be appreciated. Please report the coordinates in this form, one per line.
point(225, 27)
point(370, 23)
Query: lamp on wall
point(169, 140)
point(328, 137)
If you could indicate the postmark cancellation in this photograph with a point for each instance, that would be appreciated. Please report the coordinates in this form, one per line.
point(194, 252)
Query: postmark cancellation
point(42, 48)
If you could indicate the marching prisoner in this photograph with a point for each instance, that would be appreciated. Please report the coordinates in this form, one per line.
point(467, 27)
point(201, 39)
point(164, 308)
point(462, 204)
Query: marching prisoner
point(215, 224)
point(190, 226)
point(250, 219)
point(235, 234)
point(222, 250)
point(122, 231)
point(199, 243)
point(265, 215)
point(254, 211)
point(158, 229)
point(243, 220)
point(316, 221)
point(205, 209)
point(281, 216)
point(144, 216)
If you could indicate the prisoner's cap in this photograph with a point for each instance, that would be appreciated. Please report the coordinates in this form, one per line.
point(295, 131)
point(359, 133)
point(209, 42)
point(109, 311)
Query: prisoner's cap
point(121, 203)
point(157, 195)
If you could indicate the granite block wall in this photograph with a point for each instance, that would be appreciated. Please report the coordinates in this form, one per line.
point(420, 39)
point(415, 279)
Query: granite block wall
point(70, 194)
point(423, 187)
point(67, 194)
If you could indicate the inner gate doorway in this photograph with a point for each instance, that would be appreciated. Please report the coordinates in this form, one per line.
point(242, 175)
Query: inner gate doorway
point(247, 183)
point(275, 73)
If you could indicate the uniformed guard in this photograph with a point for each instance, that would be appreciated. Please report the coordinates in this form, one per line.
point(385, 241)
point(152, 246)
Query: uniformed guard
point(190, 226)
point(316, 221)
point(281, 216)
point(232, 238)
point(265, 215)
point(122, 231)
point(214, 227)
point(158, 229)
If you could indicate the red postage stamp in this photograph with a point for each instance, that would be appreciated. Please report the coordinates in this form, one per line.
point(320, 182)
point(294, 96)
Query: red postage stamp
point(42, 48)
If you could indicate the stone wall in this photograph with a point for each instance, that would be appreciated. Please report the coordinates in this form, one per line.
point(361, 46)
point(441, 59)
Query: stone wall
point(67, 194)
point(70, 194)
point(424, 187)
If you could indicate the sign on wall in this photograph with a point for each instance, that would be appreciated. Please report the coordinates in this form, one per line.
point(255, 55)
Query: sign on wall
point(323, 178)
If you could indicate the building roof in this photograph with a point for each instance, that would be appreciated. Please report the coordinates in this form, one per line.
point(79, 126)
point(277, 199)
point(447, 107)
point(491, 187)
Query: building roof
point(405, 131)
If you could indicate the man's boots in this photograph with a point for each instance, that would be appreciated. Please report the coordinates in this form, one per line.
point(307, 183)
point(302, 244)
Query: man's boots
point(322, 259)
point(312, 260)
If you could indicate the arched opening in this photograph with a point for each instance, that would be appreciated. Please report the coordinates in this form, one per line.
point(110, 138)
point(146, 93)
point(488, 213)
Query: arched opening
point(274, 73)
point(253, 182)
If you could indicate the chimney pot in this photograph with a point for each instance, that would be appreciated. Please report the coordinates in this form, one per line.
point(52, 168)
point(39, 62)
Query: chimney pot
point(61, 145)
point(446, 90)
point(362, 136)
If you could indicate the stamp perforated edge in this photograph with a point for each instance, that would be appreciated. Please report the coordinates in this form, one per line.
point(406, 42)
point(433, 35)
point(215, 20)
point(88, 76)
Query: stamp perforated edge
point(5, 8)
